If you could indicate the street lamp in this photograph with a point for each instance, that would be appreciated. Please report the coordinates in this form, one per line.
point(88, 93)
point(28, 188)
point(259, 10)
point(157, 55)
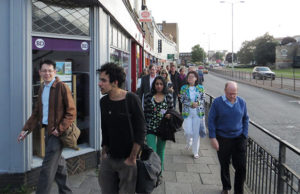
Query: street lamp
point(208, 42)
point(232, 3)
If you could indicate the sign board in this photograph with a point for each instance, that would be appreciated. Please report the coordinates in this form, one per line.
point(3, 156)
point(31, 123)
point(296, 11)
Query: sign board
point(171, 56)
point(64, 70)
point(145, 16)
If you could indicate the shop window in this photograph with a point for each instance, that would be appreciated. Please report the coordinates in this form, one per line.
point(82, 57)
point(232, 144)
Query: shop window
point(73, 67)
point(115, 36)
point(61, 20)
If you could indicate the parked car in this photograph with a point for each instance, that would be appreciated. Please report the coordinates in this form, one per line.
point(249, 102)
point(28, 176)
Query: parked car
point(263, 73)
point(205, 71)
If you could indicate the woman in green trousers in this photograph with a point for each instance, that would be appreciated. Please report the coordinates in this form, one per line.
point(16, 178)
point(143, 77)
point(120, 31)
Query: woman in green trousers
point(157, 102)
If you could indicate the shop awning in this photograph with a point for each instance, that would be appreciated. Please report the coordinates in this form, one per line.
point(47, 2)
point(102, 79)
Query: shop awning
point(72, 3)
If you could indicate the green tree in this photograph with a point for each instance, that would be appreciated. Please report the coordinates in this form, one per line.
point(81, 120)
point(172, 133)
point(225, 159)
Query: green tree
point(265, 49)
point(198, 54)
point(246, 53)
point(228, 57)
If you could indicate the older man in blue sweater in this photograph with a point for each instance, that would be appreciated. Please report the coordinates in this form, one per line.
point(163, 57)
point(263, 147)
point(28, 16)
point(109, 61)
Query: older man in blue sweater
point(228, 131)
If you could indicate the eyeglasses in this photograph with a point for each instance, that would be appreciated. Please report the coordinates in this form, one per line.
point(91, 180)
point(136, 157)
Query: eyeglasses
point(47, 71)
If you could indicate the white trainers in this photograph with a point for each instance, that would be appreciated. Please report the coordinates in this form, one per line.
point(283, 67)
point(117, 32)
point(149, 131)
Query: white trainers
point(196, 156)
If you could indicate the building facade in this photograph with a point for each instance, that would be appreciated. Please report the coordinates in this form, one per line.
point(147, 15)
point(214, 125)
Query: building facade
point(79, 36)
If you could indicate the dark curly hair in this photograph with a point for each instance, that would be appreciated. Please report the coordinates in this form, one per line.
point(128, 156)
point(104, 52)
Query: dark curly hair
point(165, 90)
point(195, 74)
point(115, 73)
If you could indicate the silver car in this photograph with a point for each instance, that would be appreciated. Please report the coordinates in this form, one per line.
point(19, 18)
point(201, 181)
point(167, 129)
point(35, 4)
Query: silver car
point(263, 73)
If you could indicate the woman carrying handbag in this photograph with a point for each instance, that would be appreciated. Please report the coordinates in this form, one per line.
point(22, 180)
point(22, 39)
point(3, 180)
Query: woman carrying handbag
point(192, 98)
point(157, 102)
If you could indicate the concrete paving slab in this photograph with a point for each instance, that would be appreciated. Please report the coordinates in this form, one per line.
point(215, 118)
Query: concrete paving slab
point(205, 160)
point(188, 177)
point(185, 159)
point(178, 188)
point(206, 189)
point(199, 168)
point(210, 179)
point(169, 176)
point(175, 167)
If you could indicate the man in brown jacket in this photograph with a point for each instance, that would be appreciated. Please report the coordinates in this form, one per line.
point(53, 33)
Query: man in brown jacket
point(54, 165)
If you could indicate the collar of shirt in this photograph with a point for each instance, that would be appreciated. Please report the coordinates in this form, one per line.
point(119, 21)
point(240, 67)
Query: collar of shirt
point(50, 84)
point(45, 101)
point(227, 101)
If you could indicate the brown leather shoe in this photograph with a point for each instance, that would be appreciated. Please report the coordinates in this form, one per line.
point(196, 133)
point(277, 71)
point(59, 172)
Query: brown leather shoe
point(225, 192)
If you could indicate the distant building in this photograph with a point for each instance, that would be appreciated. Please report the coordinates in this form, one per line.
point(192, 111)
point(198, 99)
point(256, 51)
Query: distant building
point(170, 30)
point(185, 58)
point(288, 55)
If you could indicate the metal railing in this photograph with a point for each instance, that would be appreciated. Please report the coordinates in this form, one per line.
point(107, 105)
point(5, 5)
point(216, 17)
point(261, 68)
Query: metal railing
point(267, 173)
point(280, 81)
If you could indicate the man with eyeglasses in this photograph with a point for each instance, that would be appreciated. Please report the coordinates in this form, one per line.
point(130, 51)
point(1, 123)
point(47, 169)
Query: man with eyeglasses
point(228, 131)
point(53, 95)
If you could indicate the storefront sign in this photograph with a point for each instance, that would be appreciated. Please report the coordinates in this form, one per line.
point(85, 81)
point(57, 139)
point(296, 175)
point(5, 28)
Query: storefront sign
point(41, 43)
point(145, 16)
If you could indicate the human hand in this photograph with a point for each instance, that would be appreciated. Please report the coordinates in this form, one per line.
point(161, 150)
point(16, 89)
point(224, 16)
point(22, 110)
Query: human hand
point(55, 132)
point(215, 144)
point(103, 155)
point(194, 105)
point(168, 116)
point(22, 135)
point(130, 161)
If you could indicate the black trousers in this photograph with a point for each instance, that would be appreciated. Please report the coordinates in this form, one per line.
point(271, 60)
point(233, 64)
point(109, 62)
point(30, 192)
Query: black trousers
point(235, 149)
point(180, 105)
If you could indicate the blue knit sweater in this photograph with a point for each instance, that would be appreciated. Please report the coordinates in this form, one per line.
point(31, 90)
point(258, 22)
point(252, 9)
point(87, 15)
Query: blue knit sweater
point(226, 121)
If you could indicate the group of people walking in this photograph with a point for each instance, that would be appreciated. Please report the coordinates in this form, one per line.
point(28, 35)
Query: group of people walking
point(129, 120)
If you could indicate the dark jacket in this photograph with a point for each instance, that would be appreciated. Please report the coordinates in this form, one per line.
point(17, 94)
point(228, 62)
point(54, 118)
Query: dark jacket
point(174, 79)
point(66, 110)
point(181, 82)
point(145, 86)
point(168, 127)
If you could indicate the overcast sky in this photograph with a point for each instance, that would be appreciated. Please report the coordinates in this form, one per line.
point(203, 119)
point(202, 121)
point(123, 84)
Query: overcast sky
point(208, 22)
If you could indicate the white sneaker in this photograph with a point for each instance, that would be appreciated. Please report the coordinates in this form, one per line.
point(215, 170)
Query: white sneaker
point(196, 156)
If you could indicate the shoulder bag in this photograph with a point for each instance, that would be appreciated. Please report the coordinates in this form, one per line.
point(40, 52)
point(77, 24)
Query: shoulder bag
point(148, 164)
point(70, 136)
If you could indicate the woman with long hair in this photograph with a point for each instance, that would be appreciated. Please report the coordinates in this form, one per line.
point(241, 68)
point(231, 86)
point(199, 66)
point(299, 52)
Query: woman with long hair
point(157, 102)
point(165, 75)
point(193, 98)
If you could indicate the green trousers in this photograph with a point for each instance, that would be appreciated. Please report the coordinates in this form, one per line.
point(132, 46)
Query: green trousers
point(158, 145)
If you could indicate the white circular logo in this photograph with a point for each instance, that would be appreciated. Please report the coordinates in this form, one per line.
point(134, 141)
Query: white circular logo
point(84, 46)
point(284, 52)
point(40, 43)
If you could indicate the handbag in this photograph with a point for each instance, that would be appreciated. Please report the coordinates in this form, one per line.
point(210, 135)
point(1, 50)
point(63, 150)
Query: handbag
point(70, 136)
point(148, 164)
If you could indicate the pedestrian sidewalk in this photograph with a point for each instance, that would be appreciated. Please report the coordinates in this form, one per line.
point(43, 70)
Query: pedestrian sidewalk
point(182, 175)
